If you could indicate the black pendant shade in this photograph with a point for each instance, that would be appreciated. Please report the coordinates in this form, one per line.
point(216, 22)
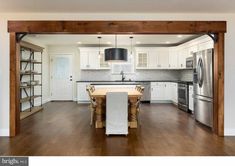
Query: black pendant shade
point(115, 54)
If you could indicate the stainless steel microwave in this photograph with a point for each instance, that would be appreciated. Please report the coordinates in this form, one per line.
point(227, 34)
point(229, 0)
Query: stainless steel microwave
point(189, 63)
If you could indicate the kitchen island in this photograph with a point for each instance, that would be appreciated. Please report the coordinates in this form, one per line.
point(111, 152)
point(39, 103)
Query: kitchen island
point(100, 97)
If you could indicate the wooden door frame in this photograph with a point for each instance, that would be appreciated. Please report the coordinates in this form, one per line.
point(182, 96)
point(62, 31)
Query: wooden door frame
point(218, 28)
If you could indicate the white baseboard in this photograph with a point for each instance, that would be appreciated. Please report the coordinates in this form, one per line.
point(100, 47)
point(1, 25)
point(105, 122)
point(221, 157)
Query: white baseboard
point(4, 132)
point(83, 102)
point(46, 100)
point(43, 102)
point(229, 132)
point(161, 101)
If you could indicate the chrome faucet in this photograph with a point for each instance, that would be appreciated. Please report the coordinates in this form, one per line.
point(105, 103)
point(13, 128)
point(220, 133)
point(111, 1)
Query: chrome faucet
point(123, 77)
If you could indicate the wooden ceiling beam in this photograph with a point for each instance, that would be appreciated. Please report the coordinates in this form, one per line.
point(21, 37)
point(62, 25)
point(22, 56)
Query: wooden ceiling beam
point(120, 27)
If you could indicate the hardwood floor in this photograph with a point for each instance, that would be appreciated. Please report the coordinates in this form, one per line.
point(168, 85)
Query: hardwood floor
point(63, 129)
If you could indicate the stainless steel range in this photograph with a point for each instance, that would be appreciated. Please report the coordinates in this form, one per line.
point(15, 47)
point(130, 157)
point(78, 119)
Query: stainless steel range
point(183, 96)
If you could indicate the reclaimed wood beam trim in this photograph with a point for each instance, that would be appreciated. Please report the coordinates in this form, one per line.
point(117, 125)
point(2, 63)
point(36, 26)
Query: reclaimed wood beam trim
point(219, 85)
point(121, 27)
point(14, 86)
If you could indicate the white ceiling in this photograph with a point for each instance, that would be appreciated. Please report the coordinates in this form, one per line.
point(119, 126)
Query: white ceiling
point(118, 6)
point(108, 39)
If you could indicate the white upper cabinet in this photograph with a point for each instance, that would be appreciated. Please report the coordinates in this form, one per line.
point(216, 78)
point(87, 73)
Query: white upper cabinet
point(173, 58)
point(91, 60)
point(205, 45)
point(152, 58)
point(184, 52)
point(94, 59)
point(84, 60)
point(103, 64)
point(163, 58)
point(192, 49)
point(142, 59)
point(182, 55)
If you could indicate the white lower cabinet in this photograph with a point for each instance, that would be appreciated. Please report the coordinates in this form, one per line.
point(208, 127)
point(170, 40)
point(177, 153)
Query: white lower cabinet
point(174, 92)
point(157, 91)
point(190, 98)
point(164, 92)
point(82, 95)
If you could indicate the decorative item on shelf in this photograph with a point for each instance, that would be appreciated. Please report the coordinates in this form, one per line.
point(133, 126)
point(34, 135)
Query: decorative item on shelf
point(115, 54)
point(27, 71)
point(23, 71)
point(22, 84)
point(35, 82)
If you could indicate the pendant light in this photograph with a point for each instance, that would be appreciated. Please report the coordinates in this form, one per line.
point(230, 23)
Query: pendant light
point(131, 52)
point(99, 37)
point(115, 54)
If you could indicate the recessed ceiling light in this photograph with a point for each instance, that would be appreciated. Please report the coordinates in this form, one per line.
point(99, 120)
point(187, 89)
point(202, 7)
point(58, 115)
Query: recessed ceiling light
point(138, 42)
point(108, 42)
point(79, 42)
point(167, 42)
point(179, 36)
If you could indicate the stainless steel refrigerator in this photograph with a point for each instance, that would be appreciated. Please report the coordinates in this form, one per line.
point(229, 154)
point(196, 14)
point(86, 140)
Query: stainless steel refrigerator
point(203, 86)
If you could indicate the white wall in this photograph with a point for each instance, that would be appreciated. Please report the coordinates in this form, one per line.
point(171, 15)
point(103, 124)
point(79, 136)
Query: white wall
point(229, 53)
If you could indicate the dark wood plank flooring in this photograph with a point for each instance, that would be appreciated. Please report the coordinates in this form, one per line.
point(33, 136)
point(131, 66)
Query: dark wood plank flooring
point(63, 129)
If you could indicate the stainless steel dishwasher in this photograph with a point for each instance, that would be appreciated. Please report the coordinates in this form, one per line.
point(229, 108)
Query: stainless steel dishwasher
point(147, 92)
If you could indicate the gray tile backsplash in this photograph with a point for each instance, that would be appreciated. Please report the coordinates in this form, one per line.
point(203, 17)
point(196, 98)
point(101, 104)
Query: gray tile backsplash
point(186, 75)
point(106, 75)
